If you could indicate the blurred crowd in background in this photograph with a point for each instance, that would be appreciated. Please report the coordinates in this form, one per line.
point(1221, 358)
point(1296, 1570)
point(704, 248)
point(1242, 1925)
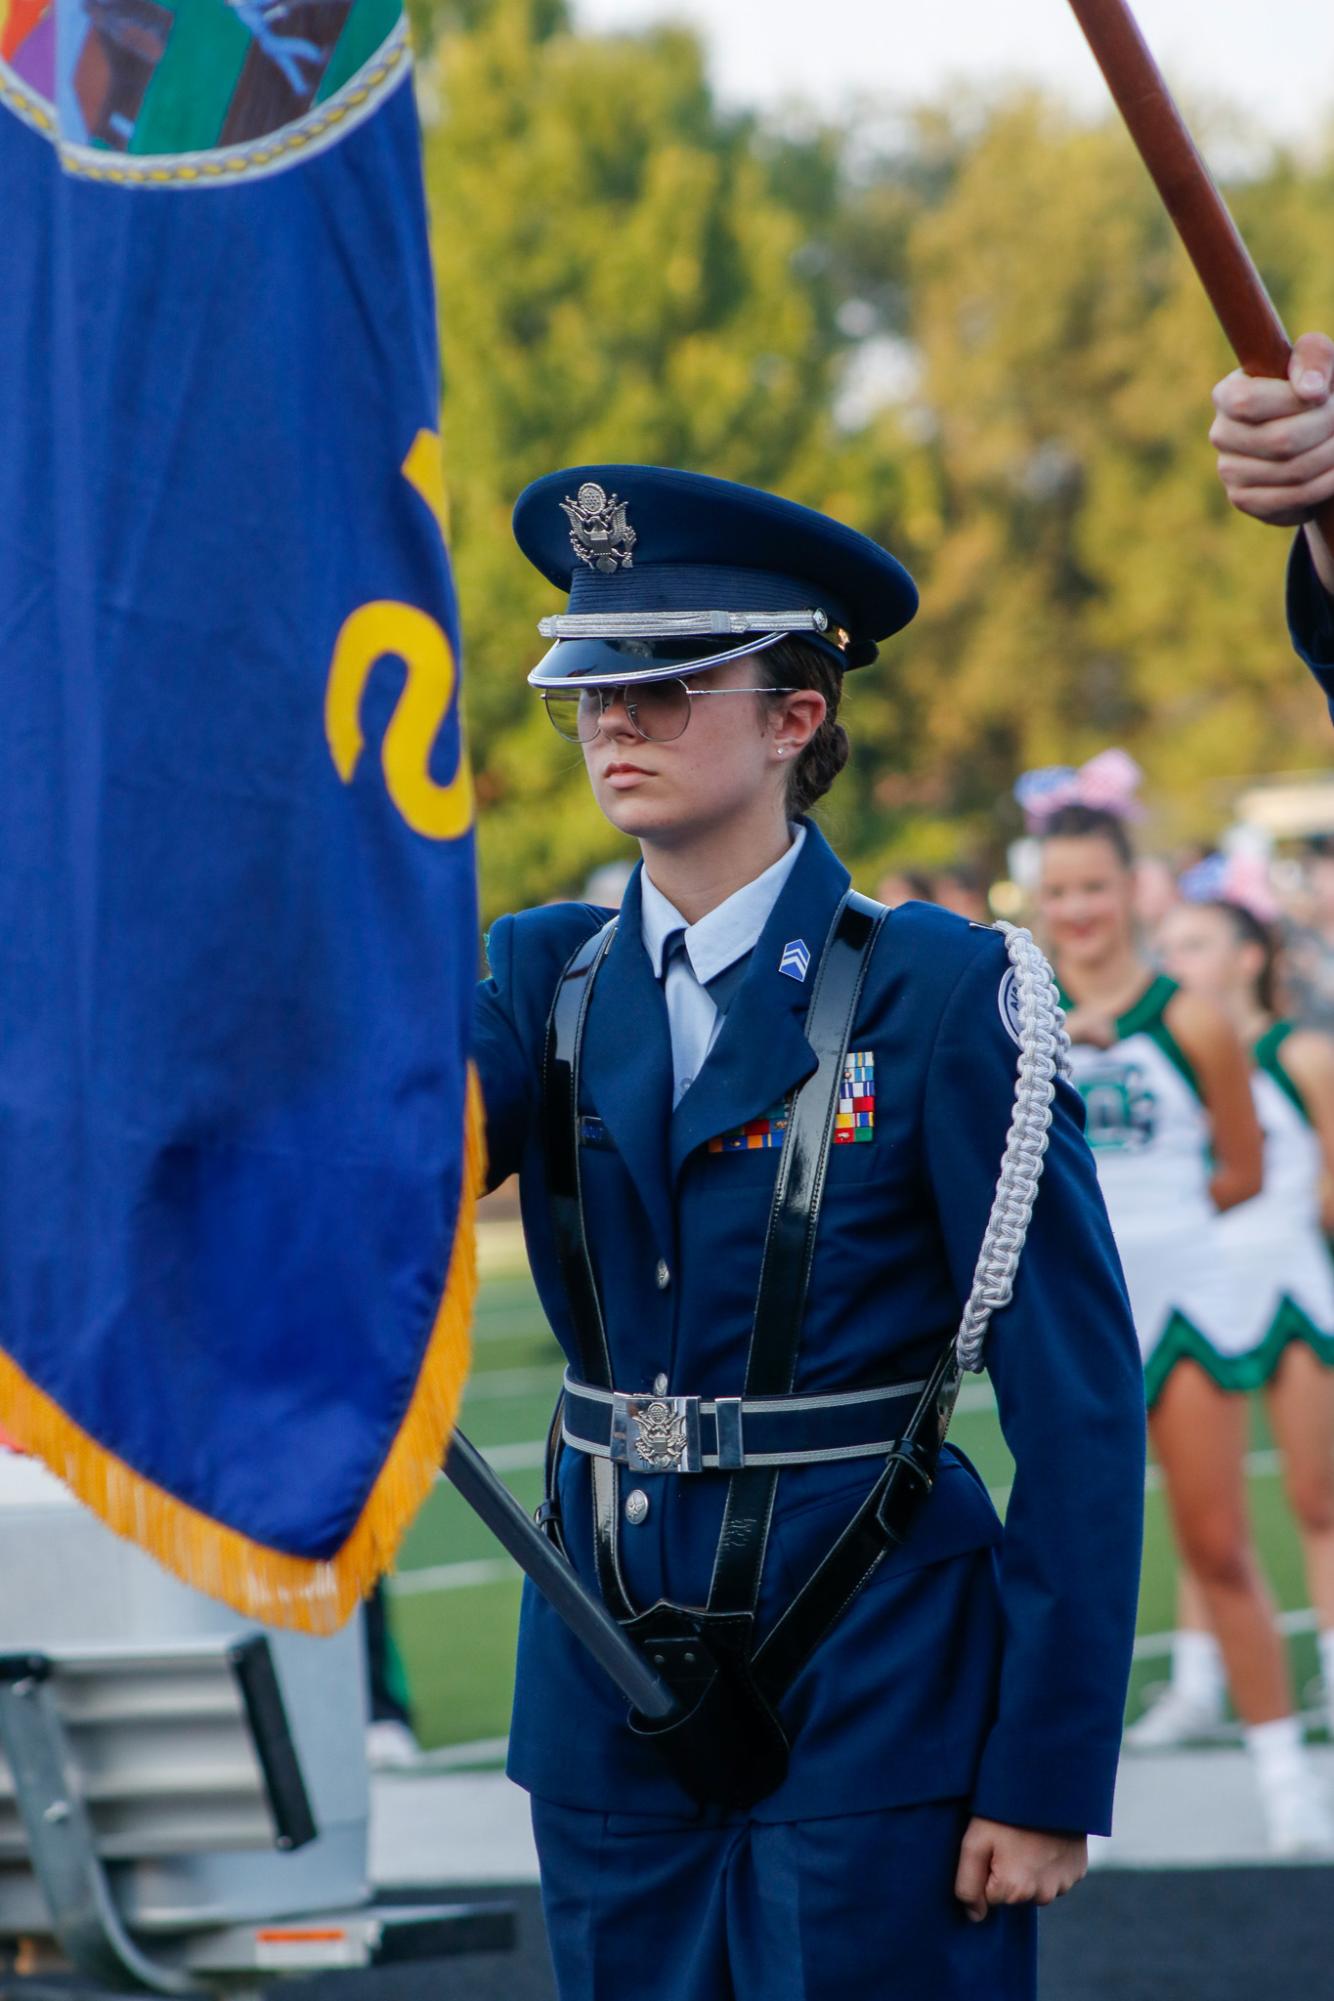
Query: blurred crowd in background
point(1286, 881)
point(1287, 884)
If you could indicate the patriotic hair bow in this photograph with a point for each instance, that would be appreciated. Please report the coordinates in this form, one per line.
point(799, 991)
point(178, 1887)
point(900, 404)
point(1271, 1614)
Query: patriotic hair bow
point(1241, 879)
point(1108, 783)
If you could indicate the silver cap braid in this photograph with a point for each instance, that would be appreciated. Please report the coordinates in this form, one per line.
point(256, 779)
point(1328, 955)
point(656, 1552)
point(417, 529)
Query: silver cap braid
point(1044, 1054)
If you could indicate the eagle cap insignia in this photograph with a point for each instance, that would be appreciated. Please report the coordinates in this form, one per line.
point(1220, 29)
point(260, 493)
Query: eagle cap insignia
point(600, 532)
point(660, 1435)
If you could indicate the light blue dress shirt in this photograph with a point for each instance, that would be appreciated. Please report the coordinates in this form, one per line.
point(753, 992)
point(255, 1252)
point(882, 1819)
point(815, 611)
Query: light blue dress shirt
point(721, 937)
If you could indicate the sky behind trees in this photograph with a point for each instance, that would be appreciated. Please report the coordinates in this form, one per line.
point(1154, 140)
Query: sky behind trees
point(629, 271)
point(1273, 59)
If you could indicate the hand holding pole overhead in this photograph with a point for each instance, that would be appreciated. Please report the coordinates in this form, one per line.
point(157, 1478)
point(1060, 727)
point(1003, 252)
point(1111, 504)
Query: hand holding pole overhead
point(1201, 217)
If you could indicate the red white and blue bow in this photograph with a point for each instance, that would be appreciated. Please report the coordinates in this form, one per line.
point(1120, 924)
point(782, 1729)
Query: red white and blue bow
point(1241, 879)
point(1108, 783)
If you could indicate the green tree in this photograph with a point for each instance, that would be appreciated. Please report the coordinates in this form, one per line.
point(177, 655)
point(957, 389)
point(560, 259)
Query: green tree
point(624, 273)
point(1084, 579)
point(627, 272)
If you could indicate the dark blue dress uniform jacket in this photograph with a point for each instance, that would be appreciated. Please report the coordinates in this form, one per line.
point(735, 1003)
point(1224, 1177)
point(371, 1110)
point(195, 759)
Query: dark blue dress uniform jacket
point(979, 1663)
point(1311, 618)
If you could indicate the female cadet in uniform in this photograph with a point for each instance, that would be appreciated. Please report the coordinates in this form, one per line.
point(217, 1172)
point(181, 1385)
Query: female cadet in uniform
point(1166, 1089)
point(953, 1736)
point(1219, 942)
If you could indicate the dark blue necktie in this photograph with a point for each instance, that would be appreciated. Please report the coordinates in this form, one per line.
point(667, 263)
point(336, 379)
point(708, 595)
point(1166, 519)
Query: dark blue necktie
point(722, 988)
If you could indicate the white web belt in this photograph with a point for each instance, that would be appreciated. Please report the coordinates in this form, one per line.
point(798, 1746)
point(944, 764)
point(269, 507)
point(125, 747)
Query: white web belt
point(1044, 1054)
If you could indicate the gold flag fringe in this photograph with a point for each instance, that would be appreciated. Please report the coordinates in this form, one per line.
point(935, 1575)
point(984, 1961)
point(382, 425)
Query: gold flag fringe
point(263, 1583)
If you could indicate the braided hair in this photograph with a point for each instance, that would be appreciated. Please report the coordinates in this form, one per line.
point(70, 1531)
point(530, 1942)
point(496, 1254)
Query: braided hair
point(795, 663)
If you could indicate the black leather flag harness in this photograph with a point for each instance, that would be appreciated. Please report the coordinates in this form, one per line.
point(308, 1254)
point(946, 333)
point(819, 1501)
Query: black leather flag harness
point(726, 1744)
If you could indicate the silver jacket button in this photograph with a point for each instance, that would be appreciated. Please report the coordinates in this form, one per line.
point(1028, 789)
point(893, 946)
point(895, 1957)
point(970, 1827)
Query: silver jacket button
point(663, 1275)
point(660, 1385)
point(636, 1507)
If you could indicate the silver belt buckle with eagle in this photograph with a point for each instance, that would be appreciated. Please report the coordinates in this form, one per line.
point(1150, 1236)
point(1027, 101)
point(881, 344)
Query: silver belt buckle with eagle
point(652, 1434)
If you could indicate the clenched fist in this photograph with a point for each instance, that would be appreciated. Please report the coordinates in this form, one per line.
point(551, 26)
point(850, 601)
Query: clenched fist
point(1275, 442)
point(1016, 1865)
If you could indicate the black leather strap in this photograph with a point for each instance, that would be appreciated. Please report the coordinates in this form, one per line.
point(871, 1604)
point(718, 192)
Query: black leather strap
point(547, 1513)
point(803, 1162)
point(785, 1269)
point(560, 1141)
point(882, 1522)
point(789, 1245)
point(607, 1539)
point(560, 1113)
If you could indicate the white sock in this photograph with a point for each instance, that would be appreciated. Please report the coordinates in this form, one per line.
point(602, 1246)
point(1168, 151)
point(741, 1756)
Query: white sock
point(1325, 1643)
point(1197, 1667)
point(1278, 1752)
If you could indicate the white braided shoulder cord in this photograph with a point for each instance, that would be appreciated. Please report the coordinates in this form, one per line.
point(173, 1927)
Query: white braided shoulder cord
point(1044, 1054)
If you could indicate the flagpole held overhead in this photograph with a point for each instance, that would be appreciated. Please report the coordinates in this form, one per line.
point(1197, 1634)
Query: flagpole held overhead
point(1201, 217)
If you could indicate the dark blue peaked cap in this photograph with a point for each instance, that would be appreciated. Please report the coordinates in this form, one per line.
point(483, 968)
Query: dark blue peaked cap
point(669, 572)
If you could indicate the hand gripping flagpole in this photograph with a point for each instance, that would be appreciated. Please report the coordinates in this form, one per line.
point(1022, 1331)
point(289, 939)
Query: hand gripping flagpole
point(1234, 287)
point(586, 1616)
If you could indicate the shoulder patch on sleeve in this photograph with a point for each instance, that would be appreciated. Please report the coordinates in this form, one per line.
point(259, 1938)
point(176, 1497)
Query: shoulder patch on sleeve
point(1008, 1001)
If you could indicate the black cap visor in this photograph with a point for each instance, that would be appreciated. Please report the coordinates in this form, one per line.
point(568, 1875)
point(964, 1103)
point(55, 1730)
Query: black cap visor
point(620, 662)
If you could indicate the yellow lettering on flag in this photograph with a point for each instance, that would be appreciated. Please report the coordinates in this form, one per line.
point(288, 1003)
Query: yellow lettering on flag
point(388, 629)
point(424, 469)
point(382, 630)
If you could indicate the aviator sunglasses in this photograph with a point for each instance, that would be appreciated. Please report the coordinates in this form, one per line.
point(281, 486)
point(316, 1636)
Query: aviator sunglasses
point(658, 710)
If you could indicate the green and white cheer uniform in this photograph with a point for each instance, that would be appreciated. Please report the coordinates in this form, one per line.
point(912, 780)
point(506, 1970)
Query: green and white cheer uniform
point(1281, 1282)
point(1150, 1138)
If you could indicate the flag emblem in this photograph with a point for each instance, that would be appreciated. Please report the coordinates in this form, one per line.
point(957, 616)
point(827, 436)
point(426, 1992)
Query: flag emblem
point(143, 93)
point(796, 959)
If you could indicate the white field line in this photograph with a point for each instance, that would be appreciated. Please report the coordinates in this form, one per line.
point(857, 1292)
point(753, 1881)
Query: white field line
point(527, 1457)
point(451, 1576)
point(489, 1385)
point(1149, 1646)
point(523, 1458)
point(501, 1251)
point(484, 1753)
point(482, 1332)
point(517, 1458)
point(1259, 1465)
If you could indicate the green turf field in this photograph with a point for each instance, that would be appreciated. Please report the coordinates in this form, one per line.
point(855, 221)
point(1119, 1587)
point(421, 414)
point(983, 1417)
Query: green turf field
point(455, 1599)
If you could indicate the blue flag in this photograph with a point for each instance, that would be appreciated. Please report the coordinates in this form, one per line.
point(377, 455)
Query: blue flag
point(238, 1140)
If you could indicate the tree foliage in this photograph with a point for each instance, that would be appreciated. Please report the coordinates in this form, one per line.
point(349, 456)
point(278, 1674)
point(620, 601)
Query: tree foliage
point(627, 272)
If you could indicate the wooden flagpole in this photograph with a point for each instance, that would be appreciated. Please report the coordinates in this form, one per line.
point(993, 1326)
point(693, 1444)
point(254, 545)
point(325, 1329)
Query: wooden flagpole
point(1235, 289)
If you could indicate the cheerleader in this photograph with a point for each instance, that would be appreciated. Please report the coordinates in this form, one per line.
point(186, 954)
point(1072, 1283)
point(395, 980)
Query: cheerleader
point(1166, 1087)
point(1280, 1334)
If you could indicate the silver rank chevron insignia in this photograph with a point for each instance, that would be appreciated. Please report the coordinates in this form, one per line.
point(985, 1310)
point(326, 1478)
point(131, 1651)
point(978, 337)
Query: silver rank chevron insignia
point(796, 959)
